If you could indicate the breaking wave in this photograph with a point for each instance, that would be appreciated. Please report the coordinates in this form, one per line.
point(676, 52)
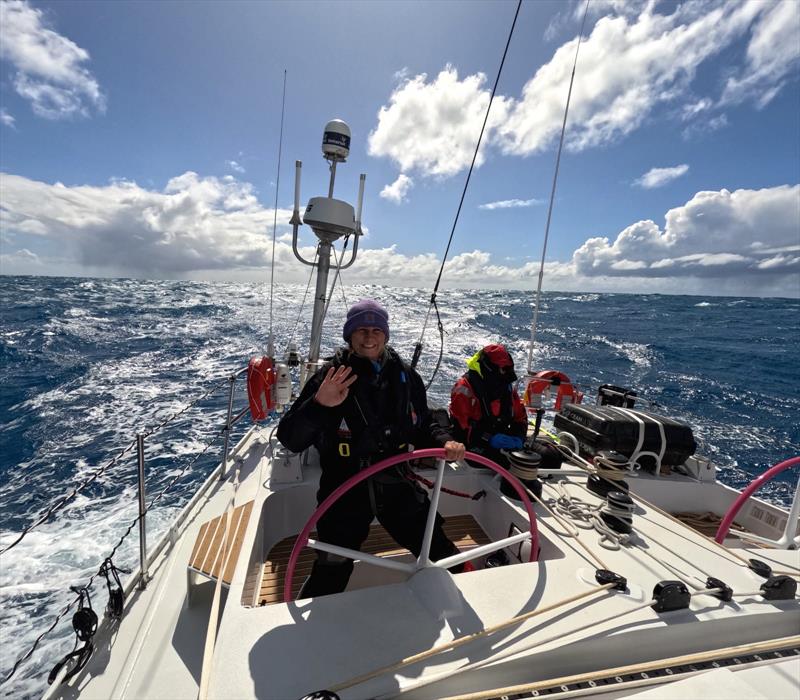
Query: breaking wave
point(88, 363)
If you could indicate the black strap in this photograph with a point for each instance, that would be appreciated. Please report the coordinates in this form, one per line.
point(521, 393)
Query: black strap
point(116, 594)
point(80, 658)
point(84, 622)
point(488, 422)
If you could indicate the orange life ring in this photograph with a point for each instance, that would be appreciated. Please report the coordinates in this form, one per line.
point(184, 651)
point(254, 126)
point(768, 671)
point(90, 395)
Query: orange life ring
point(260, 379)
point(542, 381)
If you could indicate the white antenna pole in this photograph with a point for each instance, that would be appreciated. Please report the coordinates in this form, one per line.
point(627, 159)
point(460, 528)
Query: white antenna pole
point(552, 198)
point(270, 342)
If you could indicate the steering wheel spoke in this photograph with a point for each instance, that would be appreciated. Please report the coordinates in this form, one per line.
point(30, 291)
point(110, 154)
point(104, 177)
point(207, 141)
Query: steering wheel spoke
point(482, 550)
point(355, 554)
point(423, 560)
point(425, 552)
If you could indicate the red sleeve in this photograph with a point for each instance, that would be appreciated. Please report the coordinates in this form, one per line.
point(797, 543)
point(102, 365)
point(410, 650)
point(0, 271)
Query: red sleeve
point(519, 413)
point(462, 406)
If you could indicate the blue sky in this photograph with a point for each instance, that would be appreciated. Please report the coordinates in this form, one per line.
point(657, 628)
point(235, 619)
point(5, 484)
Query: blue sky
point(140, 139)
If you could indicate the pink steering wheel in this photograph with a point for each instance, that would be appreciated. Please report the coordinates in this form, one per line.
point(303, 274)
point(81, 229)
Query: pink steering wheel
point(788, 539)
point(423, 561)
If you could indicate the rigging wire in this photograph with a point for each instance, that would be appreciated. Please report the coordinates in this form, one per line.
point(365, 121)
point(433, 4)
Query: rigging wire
point(432, 305)
point(270, 345)
point(91, 478)
point(336, 277)
point(553, 193)
point(127, 532)
point(337, 260)
point(303, 303)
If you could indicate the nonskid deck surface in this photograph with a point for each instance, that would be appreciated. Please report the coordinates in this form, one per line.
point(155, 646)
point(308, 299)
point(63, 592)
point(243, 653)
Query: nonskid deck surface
point(425, 612)
point(159, 646)
point(463, 530)
point(726, 673)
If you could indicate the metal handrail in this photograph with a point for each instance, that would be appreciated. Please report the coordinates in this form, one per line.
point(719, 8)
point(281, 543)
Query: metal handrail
point(59, 505)
point(140, 577)
point(230, 421)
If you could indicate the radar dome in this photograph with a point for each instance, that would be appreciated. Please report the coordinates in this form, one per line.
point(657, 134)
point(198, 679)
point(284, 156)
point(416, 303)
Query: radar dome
point(336, 140)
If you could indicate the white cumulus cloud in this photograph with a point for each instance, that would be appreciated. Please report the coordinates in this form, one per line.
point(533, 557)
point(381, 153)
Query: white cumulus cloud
point(50, 70)
point(433, 127)
point(742, 242)
point(6, 118)
point(396, 192)
point(627, 67)
point(740, 235)
point(196, 223)
point(658, 177)
point(235, 166)
point(510, 204)
point(635, 62)
point(18, 262)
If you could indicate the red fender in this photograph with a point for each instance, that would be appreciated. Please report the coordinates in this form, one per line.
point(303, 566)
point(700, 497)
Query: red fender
point(260, 378)
point(541, 381)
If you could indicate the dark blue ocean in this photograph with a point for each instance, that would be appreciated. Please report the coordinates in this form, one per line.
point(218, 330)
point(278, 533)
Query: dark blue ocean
point(86, 363)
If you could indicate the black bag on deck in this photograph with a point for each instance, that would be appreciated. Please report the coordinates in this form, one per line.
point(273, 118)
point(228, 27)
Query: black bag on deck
point(609, 428)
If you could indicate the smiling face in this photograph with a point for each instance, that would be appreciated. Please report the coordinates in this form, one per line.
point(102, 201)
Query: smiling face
point(368, 342)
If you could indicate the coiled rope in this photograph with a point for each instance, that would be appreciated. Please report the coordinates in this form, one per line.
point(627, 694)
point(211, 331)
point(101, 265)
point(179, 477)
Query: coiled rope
point(575, 459)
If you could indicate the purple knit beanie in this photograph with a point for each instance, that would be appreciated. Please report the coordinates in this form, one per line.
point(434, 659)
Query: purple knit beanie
point(366, 313)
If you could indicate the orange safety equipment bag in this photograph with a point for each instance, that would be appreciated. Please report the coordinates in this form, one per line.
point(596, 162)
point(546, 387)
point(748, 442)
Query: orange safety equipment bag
point(260, 379)
point(542, 381)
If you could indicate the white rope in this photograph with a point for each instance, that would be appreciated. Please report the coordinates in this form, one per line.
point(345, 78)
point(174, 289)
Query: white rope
point(513, 650)
point(580, 512)
point(524, 473)
point(572, 531)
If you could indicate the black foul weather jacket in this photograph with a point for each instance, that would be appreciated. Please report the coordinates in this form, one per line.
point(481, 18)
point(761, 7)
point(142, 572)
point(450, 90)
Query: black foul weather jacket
point(385, 413)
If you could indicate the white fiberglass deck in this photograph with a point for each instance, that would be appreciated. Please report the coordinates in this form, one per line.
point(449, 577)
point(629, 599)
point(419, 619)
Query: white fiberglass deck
point(285, 651)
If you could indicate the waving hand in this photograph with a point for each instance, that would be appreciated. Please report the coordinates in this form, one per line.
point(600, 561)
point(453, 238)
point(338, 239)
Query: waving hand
point(335, 386)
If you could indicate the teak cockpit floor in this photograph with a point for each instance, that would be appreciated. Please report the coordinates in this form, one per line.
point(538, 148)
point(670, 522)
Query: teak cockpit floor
point(463, 530)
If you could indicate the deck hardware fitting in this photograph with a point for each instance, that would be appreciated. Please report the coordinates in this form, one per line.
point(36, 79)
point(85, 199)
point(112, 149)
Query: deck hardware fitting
point(726, 592)
point(779, 588)
point(760, 568)
point(604, 576)
point(670, 595)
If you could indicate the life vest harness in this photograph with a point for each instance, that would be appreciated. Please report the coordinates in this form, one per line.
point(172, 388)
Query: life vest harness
point(491, 396)
point(385, 426)
point(260, 382)
point(541, 383)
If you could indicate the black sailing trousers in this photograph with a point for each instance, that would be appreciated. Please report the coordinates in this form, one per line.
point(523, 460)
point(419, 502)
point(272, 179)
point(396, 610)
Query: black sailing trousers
point(402, 508)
